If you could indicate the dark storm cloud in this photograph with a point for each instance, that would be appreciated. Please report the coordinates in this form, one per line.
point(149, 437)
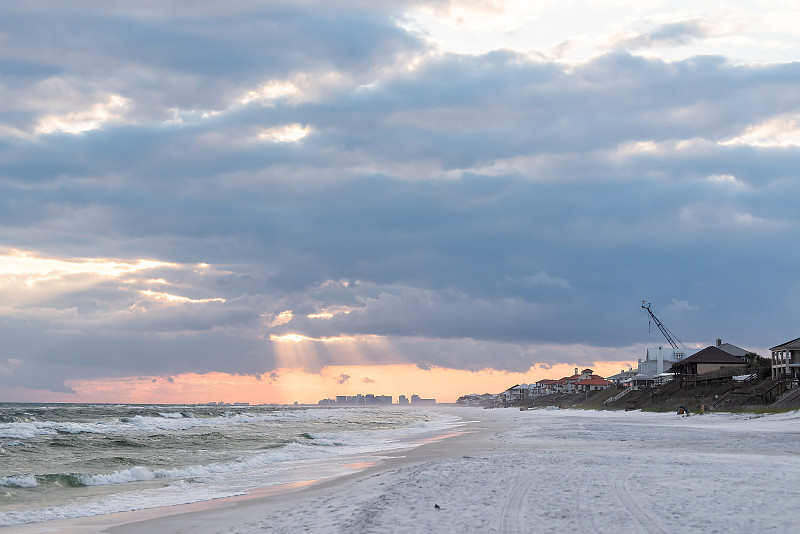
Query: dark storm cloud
point(470, 209)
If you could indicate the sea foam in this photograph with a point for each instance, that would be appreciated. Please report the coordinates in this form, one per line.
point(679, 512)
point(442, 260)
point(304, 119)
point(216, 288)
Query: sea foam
point(19, 481)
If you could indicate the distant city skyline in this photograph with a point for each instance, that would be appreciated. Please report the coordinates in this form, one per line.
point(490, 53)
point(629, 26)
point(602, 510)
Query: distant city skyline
point(374, 400)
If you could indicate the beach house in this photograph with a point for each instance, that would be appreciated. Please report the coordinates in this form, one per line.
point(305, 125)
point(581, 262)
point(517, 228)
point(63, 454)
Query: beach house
point(786, 359)
point(707, 360)
point(545, 386)
point(657, 361)
point(733, 350)
point(592, 384)
point(586, 380)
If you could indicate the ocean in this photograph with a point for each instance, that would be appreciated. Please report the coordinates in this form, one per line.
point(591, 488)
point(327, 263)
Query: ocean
point(60, 461)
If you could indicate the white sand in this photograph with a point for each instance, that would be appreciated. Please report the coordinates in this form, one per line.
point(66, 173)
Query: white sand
point(535, 471)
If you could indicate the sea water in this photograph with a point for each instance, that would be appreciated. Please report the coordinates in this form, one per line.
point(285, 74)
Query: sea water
point(61, 461)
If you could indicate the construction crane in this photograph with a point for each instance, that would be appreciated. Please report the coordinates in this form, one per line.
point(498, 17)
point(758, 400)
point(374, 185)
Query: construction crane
point(664, 330)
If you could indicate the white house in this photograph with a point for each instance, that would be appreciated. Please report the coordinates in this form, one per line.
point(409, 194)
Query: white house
point(659, 360)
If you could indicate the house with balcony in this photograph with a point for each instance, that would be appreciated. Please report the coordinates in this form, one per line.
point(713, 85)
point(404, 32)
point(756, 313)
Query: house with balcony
point(786, 359)
point(545, 386)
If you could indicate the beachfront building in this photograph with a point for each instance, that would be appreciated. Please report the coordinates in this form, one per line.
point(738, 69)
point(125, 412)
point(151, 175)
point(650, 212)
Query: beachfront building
point(474, 399)
point(579, 382)
point(592, 384)
point(708, 360)
point(657, 361)
point(545, 386)
point(357, 400)
point(622, 376)
point(786, 359)
point(567, 383)
point(415, 399)
point(515, 393)
point(733, 350)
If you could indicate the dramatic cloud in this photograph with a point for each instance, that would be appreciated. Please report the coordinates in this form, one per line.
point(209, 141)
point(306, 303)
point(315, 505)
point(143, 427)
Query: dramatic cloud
point(247, 188)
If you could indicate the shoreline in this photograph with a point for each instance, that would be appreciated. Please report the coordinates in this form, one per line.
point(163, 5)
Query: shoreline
point(209, 516)
point(545, 471)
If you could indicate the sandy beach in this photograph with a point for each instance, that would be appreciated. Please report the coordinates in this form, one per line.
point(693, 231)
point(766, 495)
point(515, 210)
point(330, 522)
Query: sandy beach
point(528, 471)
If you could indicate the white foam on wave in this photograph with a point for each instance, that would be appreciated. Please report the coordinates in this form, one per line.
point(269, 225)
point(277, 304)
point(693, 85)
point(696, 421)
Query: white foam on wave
point(335, 434)
point(174, 494)
point(178, 421)
point(292, 452)
point(321, 446)
point(19, 481)
point(48, 428)
point(171, 415)
point(24, 430)
point(134, 474)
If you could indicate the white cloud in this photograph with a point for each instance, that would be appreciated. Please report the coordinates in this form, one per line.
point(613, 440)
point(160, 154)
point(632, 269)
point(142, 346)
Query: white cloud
point(9, 365)
point(681, 305)
point(270, 92)
point(287, 133)
point(747, 219)
point(543, 279)
point(101, 113)
point(780, 131)
point(281, 318)
point(30, 265)
point(176, 299)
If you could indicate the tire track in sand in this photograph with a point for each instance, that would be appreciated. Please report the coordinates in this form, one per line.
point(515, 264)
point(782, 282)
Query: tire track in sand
point(512, 519)
point(585, 516)
point(647, 522)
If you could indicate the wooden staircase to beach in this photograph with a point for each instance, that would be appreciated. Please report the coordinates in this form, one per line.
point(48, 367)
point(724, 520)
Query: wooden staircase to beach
point(725, 395)
point(789, 399)
point(764, 393)
point(636, 401)
point(615, 398)
point(666, 390)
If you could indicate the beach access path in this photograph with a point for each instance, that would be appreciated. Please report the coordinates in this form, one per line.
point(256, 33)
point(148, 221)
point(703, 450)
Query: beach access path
point(540, 471)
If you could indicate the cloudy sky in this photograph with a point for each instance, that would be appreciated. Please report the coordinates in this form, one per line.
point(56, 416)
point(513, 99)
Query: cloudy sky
point(291, 200)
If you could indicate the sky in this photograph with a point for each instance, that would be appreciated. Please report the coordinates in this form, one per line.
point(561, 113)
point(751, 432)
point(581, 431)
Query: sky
point(287, 201)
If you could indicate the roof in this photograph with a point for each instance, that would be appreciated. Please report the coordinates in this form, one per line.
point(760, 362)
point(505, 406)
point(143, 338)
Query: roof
point(594, 381)
point(793, 344)
point(733, 350)
point(711, 355)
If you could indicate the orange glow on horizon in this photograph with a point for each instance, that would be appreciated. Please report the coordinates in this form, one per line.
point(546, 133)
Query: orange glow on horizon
point(285, 386)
